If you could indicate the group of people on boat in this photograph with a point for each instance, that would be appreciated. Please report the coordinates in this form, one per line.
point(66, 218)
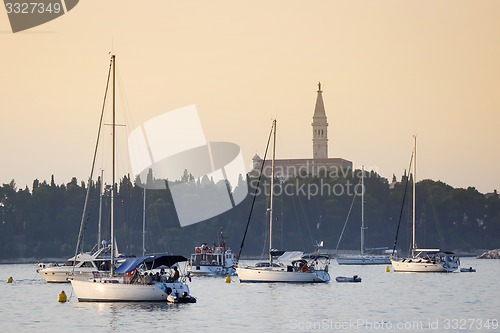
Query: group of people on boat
point(300, 266)
point(135, 277)
point(204, 248)
point(434, 259)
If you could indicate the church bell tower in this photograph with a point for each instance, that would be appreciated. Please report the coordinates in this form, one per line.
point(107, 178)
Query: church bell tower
point(320, 128)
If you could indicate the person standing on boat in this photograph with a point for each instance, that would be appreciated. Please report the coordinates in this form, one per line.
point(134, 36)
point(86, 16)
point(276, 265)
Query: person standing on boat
point(148, 278)
point(176, 274)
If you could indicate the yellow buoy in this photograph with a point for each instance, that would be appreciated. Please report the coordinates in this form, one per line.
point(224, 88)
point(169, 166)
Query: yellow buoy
point(387, 269)
point(62, 297)
point(228, 279)
point(10, 280)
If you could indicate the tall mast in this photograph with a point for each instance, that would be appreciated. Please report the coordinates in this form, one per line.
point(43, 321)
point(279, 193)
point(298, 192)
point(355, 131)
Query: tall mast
point(144, 223)
point(271, 196)
point(414, 245)
point(100, 211)
point(113, 177)
point(222, 244)
point(362, 210)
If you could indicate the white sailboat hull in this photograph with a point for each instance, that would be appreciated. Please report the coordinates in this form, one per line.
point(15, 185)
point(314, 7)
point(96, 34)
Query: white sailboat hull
point(422, 267)
point(364, 260)
point(105, 291)
point(276, 274)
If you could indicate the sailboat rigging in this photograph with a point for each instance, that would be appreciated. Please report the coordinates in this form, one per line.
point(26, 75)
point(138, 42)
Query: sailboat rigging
point(362, 258)
point(131, 281)
point(310, 268)
point(423, 260)
point(83, 264)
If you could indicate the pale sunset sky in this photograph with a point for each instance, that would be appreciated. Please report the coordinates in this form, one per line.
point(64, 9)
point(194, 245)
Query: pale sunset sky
point(388, 69)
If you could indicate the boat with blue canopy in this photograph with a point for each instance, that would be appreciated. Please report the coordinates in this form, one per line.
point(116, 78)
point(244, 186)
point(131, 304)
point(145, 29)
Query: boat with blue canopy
point(133, 280)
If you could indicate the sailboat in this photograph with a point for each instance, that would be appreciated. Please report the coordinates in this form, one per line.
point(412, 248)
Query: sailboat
point(130, 282)
point(309, 268)
point(362, 258)
point(424, 260)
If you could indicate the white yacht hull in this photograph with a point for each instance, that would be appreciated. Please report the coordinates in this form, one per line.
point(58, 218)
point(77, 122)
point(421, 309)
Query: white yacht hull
point(364, 260)
point(217, 260)
point(61, 274)
point(421, 267)
point(117, 291)
point(275, 274)
point(211, 270)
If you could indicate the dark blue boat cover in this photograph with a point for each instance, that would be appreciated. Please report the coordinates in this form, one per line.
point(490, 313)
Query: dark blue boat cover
point(151, 262)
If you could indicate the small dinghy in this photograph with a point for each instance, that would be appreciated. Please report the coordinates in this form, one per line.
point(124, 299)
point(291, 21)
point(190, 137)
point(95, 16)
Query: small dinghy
point(353, 278)
point(467, 270)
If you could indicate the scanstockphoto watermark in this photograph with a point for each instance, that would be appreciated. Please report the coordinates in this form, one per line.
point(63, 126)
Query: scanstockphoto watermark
point(430, 324)
point(309, 190)
point(357, 324)
point(312, 169)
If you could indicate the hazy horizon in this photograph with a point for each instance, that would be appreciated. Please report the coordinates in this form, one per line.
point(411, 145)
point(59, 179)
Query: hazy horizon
point(389, 70)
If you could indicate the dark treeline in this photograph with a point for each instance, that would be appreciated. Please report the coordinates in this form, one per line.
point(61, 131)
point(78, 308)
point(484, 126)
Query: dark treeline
point(45, 221)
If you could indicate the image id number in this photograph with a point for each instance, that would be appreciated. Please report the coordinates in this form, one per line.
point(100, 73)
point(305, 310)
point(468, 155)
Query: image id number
point(32, 8)
point(470, 324)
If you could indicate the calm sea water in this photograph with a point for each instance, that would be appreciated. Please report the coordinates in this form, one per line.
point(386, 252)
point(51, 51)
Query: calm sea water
point(383, 302)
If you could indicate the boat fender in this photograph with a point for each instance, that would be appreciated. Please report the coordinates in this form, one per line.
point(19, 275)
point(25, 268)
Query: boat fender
point(228, 279)
point(388, 269)
point(62, 297)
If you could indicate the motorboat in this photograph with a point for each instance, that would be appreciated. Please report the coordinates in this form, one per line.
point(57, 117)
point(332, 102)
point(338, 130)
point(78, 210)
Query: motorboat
point(216, 260)
point(82, 266)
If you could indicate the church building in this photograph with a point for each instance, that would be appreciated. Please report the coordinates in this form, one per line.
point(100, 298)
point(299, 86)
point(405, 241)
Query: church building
point(319, 164)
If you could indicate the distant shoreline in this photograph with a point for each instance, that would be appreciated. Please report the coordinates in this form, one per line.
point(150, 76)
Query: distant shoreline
point(460, 253)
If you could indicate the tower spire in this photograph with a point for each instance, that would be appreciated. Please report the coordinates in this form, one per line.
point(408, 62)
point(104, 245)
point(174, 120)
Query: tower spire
point(320, 127)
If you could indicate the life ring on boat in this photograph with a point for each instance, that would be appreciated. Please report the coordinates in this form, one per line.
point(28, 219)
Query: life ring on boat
point(197, 250)
point(304, 268)
point(209, 250)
